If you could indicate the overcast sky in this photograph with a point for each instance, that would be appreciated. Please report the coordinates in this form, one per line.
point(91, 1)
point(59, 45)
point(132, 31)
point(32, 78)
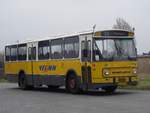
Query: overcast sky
point(31, 19)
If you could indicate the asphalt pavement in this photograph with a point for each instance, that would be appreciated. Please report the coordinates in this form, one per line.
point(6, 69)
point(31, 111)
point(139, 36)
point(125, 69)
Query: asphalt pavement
point(43, 100)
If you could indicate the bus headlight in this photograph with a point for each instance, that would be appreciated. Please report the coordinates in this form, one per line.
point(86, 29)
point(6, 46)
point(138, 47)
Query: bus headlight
point(106, 72)
point(134, 71)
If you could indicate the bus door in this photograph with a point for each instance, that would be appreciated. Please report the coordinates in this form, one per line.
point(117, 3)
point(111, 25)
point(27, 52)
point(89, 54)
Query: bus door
point(86, 47)
point(32, 57)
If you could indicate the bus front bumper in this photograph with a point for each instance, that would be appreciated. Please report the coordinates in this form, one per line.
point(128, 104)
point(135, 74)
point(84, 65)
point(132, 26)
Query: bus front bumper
point(116, 81)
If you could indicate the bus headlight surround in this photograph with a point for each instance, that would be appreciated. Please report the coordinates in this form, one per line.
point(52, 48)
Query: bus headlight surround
point(106, 72)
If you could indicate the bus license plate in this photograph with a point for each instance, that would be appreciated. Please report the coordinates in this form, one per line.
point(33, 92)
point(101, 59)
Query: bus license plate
point(122, 80)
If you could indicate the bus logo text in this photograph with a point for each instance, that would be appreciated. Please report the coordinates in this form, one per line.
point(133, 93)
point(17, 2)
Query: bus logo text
point(47, 67)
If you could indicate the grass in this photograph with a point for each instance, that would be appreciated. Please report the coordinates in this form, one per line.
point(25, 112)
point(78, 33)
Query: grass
point(3, 79)
point(143, 83)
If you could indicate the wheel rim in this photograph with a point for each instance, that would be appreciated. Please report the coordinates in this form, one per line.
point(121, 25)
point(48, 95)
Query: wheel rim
point(72, 83)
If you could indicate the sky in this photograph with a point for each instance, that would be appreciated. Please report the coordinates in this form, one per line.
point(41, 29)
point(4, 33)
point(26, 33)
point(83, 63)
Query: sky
point(30, 19)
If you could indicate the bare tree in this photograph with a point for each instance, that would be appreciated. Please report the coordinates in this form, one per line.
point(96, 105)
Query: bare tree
point(122, 24)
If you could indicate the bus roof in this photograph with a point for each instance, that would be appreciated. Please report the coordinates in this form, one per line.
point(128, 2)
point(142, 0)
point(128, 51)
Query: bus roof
point(118, 32)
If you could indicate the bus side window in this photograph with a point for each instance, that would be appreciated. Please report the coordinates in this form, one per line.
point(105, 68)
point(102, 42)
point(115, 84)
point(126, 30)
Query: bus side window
point(22, 52)
point(43, 50)
point(13, 53)
point(32, 53)
point(7, 53)
point(29, 53)
point(56, 49)
point(71, 47)
point(83, 50)
point(89, 50)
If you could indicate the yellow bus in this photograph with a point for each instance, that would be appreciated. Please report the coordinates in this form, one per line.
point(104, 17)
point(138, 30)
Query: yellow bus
point(80, 62)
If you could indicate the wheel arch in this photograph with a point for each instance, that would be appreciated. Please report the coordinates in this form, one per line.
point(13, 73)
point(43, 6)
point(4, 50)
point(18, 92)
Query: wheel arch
point(77, 89)
point(69, 72)
point(21, 72)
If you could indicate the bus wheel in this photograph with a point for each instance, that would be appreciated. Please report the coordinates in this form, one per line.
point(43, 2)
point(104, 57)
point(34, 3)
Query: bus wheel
point(22, 82)
point(110, 89)
point(72, 84)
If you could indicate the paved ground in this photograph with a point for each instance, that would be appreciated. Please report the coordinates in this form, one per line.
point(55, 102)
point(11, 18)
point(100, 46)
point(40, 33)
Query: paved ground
point(14, 100)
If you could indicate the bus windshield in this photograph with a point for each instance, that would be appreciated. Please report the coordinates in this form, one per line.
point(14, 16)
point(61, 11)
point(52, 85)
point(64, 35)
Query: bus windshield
point(114, 49)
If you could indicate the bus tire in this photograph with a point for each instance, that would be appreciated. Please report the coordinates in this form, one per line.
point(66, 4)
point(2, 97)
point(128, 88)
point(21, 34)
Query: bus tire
point(109, 89)
point(72, 84)
point(22, 82)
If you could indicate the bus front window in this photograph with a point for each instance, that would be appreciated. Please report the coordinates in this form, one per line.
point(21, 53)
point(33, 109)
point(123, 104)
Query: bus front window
point(114, 49)
point(126, 48)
